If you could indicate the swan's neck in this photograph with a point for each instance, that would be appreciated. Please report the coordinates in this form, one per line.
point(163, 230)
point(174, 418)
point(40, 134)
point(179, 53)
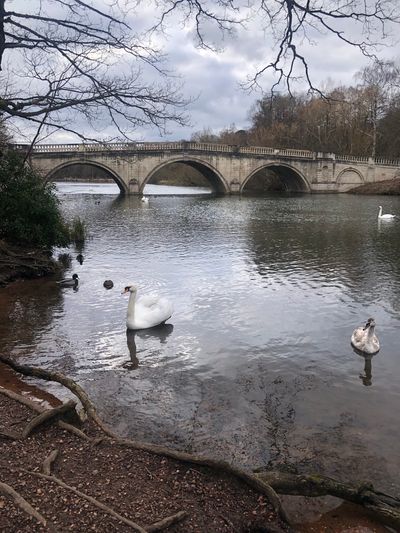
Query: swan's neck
point(131, 306)
point(370, 332)
point(380, 211)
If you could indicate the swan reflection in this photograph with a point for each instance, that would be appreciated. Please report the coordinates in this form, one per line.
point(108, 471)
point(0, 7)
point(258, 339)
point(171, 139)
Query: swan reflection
point(366, 376)
point(130, 339)
point(161, 332)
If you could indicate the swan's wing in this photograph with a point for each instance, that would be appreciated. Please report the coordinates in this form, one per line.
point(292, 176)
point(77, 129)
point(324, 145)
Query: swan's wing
point(148, 300)
point(152, 310)
point(358, 335)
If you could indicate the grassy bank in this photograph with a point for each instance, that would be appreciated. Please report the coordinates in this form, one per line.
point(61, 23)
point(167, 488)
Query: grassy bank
point(387, 187)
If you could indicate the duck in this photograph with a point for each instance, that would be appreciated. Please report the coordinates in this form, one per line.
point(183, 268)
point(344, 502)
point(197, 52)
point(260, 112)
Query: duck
point(364, 338)
point(146, 311)
point(145, 200)
point(108, 284)
point(69, 282)
point(79, 258)
point(388, 216)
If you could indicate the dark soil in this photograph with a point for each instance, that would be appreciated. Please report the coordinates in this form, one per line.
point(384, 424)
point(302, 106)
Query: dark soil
point(23, 262)
point(387, 187)
point(141, 486)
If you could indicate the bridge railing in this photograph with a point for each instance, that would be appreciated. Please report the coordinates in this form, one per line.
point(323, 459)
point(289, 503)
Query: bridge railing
point(184, 146)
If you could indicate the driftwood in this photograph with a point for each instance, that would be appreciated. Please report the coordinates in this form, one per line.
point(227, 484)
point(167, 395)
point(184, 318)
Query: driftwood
point(222, 466)
point(47, 415)
point(385, 507)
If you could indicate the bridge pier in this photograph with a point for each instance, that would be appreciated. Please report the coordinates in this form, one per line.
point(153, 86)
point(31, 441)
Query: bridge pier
point(133, 187)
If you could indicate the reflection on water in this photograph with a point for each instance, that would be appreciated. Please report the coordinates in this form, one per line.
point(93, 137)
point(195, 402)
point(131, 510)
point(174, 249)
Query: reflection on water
point(365, 377)
point(134, 361)
point(160, 332)
point(257, 369)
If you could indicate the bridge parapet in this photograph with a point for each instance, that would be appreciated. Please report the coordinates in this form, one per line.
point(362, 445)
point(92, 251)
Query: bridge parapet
point(185, 146)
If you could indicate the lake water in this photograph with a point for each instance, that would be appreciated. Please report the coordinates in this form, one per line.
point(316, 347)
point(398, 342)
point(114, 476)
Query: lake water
point(255, 365)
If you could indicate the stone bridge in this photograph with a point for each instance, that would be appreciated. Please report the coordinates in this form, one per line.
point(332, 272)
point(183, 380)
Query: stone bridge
point(229, 169)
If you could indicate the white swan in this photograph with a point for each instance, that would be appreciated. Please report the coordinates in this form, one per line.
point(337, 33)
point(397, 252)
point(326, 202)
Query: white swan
point(385, 217)
point(147, 311)
point(145, 199)
point(364, 338)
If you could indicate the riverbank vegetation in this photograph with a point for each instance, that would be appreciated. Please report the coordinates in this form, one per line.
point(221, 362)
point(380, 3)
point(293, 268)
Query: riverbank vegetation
point(29, 207)
point(31, 222)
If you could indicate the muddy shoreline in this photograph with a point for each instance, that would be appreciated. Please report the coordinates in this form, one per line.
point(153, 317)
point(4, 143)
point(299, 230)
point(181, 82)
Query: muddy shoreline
point(140, 486)
point(24, 262)
point(233, 503)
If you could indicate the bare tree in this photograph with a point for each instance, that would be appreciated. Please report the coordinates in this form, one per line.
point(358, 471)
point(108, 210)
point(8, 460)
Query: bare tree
point(289, 27)
point(380, 83)
point(68, 61)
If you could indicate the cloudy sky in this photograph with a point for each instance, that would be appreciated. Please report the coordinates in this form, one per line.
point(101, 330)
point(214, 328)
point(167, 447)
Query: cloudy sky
point(212, 79)
point(215, 78)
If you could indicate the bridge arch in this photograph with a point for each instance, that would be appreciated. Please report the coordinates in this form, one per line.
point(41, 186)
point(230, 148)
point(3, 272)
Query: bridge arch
point(118, 180)
point(290, 179)
point(213, 176)
point(349, 178)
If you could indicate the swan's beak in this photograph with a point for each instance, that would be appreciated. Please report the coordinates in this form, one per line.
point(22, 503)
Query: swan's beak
point(125, 290)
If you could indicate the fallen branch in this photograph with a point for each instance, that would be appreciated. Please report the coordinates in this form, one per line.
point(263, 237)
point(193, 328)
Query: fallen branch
point(47, 415)
point(92, 500)
point(39, 409)
point(385, 507)
point(48, 462)
point(8, 491)
point(222, 466)
point(166, 522)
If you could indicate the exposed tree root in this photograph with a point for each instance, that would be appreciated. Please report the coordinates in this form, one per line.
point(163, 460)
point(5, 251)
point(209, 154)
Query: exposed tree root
point(47, 415)
point(39, 409)
point(222, 466)
point(92, 500)
point(166, 522)
point(48, 462)
point(5, 434)
point(385, 507)
point(8, 491)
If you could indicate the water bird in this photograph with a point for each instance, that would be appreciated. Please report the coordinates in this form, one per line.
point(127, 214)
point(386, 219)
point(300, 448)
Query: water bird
point(388, 216)
point(145, 199)
point(108, 284)
point(69, 282)
point(79, 258)
point(147, 311)
point(364, 338)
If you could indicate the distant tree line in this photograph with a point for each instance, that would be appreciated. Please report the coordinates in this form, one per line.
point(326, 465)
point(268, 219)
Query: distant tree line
point(361, 120)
